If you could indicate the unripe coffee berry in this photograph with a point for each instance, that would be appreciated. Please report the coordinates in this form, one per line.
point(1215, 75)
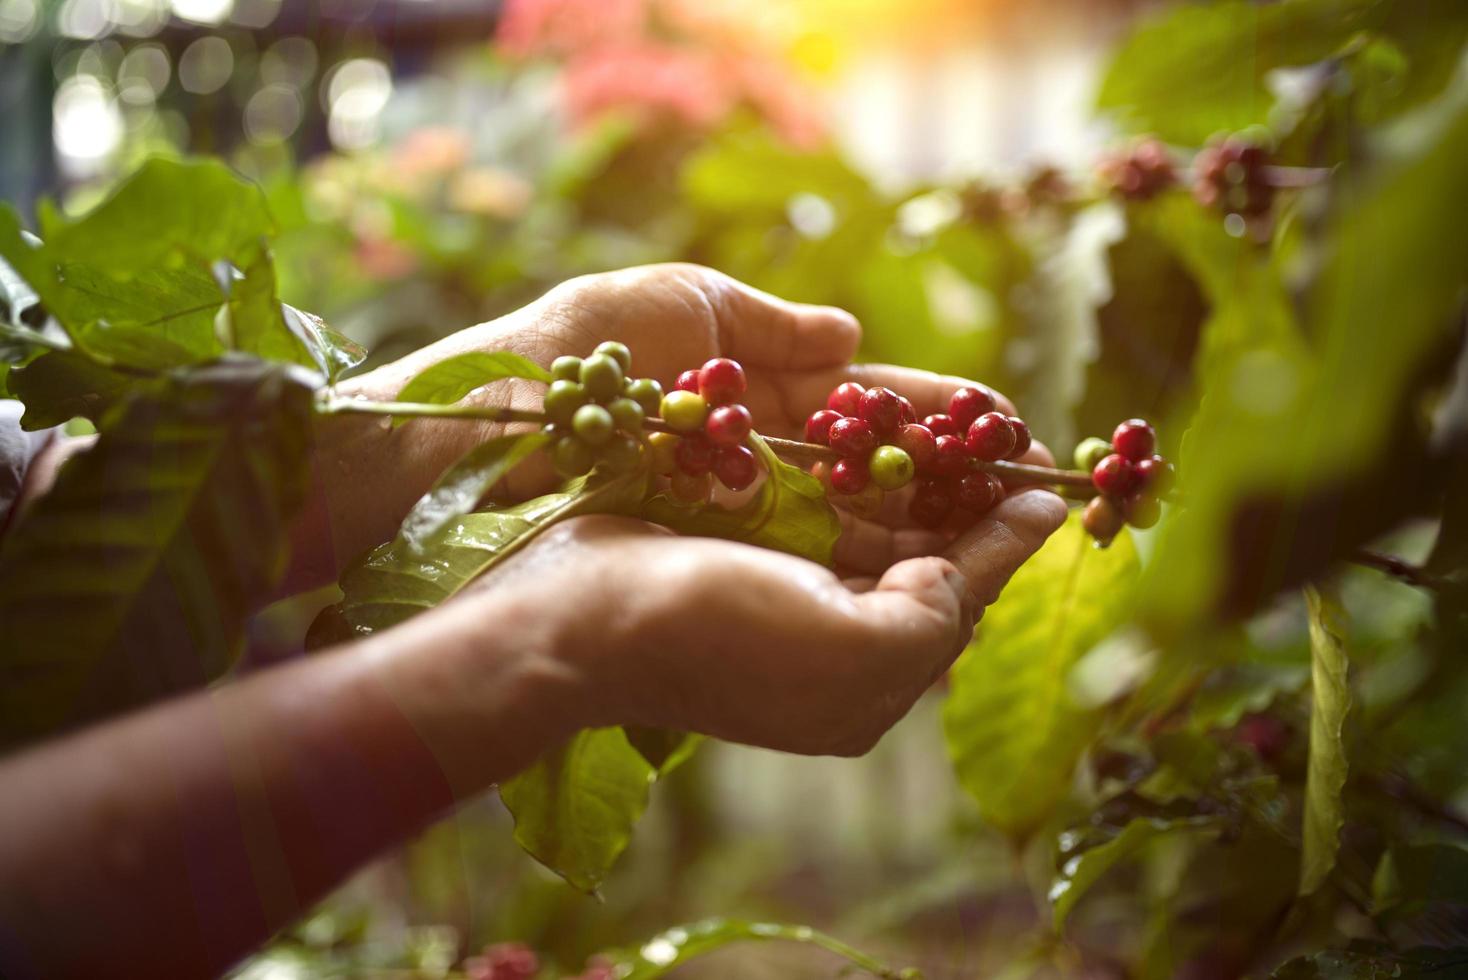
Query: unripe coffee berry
point(694, 455)
point(1143, 511)
point(691, 488)
point(846, 398)
point(627, 414)
point(918, 442)
point(852, 437)
point(1134, 439)
point(1103, 520)
point(1114, 476)
point(661, 450)
point(866, 502)
point(735, 467)
point(849, 476)
point(566, 368)
point(602, 377)
point(891, 468)
point(1154, 474)
point(880, 408)
point(952, 458)
point(572, 458)
point(941, 425)
point(617, 352)
point(687, 381)
point(991, 437)
point(1022, 438)
point(684, 411)
point(592, 424)
point(1090, 452)
point(931, 504)
point(818, 426)
point(978, 492)
point(621, 454)
point(967, 404)
point(645, 392)
point(728, 425)
point(562, 399)
point(721, 381)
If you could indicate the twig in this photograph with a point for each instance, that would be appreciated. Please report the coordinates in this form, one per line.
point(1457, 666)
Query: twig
point(354, 406)
point(1397, 568)
point(806, 452)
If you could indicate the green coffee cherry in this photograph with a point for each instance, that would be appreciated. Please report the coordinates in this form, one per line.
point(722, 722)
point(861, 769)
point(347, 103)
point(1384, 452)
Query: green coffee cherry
point(617, 352)
point(891, 468)
point(627, 415)
point(566, 368)
point(1090, 452)
point(593, 424)
point(684, 411)
point(562, 399)
point(601, 375)
point(572, 458)
point(622, 454)
point(645, 392)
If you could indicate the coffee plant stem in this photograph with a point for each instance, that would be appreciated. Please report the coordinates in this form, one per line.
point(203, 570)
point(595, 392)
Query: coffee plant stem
point(1397, 568)
point(353, 406)
point(807, 452)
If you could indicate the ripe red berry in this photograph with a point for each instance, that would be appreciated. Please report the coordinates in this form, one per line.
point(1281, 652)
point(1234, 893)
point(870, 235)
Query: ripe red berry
point(918, 442)
point(850, 476)
point(909, 414)
point(1142, 511)
point(1103, 520)
point(952, 458)
point(852, 437)
point(1155, 474)
point(728, 425)
point(687, 381)
point(694, 455)
point(968, 404)
point(978, 492)
point(990, 437)
point(846, 398)
point(1114, 476)
point(932, 502)
point(880, 408)
point(1134, 439)
point(735, 467)
point(941, 425)
point(721, 381)
point(1022, 438)
point(510, 961)
point(818, 426)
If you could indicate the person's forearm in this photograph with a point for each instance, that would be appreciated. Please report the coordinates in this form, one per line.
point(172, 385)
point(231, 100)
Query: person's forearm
point(186, 834)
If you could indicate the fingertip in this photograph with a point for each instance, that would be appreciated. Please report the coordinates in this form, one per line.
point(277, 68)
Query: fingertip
point(1004, 539)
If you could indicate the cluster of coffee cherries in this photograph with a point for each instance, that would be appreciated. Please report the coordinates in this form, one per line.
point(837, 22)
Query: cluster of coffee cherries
point(1140, 172)
point(1232, 176)
point(596, 412)
point(516, 961)
point(1129, 477)
point(708, 432)
point(882, 447)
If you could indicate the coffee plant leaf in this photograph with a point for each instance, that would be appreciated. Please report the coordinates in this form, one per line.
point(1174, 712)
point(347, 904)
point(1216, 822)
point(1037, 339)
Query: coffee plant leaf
point(393, 582)
point(677, 946)
point(1330, 702)
point(1014, 732)
point(575, 809)
point(63, 385)
point(134, 577)
point(1412, 875)
point(253, 320)
point(1374, 961)
point(1082, 869)
point(461, 487)
point(452, 378)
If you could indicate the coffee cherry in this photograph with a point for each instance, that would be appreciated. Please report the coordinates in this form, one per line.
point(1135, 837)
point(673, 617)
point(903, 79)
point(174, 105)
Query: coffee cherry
point(1142, 511)
point(952, 458)
point(1022, 438)
point(735, 467)
point(562, 399)
point(990, 437)
point(1154, 474)
point(941, 425)
point(891, 468)
point(931, 504)
point(1090, 452)
point(818, 426)
point(566, 368)
point(645, 392)
point(661, 450)
point(691, 488)
point(728, 425)
point(694, 455)
point(866, 502)
point(721, 381)
point(627, 415)
point(1114, 476)
point(1102, 520)
point(622, 454)
point(919, 443)
point(852, 437)
point(1134, 439)
point(846, 398)
point(967, 404)
point(572, 458)
point(909, 414)
point(617, 352)
point(592, 424)
point(602, 377)
point(821, 470)
point(684, 411)
point(509, 961)
point(850, 476)
point(978, 492)
point(687, 381)
point(880, 408)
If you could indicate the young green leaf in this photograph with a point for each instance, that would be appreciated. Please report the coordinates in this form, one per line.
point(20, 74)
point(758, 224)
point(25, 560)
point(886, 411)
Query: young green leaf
point(675, 947)
point(63, 385)
point(1330, 701)
point(451, 379)
point(1084, 869)
point(461, 487)
point(1375, 961)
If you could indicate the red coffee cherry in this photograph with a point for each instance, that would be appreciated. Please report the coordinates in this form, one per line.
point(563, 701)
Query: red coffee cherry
point(846, 398)
point(687, 381)
point(1114, 476)
point(909, 414)
point(1022, 437)
point(978, 492)
point(691, 488)
point(881, 409)
point(932, 502)
point(721, 381)
point(941, 425)
point(735, 467)
point(1103, 520)
point(967, 404)
point(918, 442)
point(728, 425)
point(952, 458)
point(1142, 511)
point(990, 437)
point(1154, 474)
point(694, 455)
point(852, 437)
point(850, 476)
point(818, 426)
point(1134, 439)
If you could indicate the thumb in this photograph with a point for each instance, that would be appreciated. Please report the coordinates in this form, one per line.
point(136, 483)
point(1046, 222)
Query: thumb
point(991, 551)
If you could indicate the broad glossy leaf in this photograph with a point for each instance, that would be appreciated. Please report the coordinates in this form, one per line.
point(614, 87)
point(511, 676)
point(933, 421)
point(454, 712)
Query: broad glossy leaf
point(1330, 701)
point(63, 385)
point(1411, 875)
point(253, 320)
point(461, 487)
point(1369, 961)
point(454, 377)
point(134, 576)
point(678, 945)
point(1013, 731)
point(1084, 869)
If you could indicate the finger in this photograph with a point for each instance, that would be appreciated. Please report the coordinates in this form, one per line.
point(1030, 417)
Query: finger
point(871, 547)
point(999, 542)
point(921, 614)
point(764, 331)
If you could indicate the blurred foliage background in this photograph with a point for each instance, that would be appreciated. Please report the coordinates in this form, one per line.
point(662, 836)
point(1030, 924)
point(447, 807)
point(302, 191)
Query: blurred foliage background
point(1201, 775)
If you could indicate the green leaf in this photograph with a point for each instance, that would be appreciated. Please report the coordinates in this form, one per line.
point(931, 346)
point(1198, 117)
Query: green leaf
point(454, 377)
point(1330, 701)
point(461, 487)
point(575, 809)
point(1084, 869)
point(789, 513)
point(1013, 730)
point(1376, 962)
point(253, 320)
point(1410, 876)
point(63, 385)
point(678, 945)
point(135, 575)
